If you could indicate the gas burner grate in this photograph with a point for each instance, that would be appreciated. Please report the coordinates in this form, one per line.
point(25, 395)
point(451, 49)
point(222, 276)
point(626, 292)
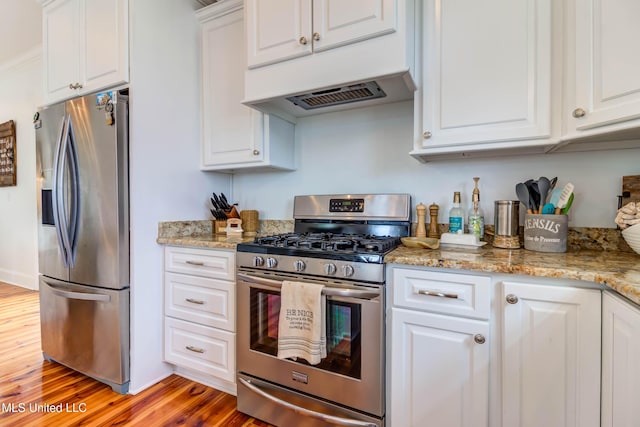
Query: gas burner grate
point(328, 242)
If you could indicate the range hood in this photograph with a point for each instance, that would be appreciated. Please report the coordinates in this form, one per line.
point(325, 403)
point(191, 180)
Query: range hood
point(357, 94)
point(365, 72)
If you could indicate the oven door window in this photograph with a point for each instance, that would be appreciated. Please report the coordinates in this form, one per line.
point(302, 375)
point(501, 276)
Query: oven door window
point(343, 332)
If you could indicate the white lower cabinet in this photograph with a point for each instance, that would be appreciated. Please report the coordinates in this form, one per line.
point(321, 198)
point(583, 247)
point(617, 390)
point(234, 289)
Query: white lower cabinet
point(620, 357)
point(199, 323)
point(550, 355)
point(439, 373)
point(472, 350)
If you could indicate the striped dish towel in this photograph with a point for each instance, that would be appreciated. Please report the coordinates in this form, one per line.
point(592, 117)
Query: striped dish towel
point(302, 328)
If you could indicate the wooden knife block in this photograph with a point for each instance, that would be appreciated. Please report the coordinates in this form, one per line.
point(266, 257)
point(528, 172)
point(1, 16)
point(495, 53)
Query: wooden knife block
point(220, 227)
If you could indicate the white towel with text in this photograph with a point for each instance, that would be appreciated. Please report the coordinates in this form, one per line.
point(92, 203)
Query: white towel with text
point(301, 326)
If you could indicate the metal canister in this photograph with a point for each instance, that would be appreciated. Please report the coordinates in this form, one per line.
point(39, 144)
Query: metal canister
point(507, 217)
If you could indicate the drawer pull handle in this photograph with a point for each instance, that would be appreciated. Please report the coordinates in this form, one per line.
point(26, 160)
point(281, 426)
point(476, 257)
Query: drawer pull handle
point(194, 262)
point(438, 294)
point(194, 301)
point(194, 349)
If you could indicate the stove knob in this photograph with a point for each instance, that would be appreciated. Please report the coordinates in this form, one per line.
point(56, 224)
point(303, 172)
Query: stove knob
point(299, 265)
point(330, 269)
point(347, 270)
point(258, 261)
point(272, 262)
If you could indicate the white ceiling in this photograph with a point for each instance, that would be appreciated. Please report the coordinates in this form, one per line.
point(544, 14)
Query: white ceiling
point(20, 28)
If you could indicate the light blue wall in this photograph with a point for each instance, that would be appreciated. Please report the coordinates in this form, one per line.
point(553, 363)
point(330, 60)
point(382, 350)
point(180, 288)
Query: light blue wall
point(165, 181)
point(366, 150)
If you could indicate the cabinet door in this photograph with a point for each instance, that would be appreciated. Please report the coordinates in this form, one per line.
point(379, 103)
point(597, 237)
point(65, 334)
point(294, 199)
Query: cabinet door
point(200, 348)
point(231, 132)
point(277, 30)
point(104, 48)
point(210, 302)
point(338, 22)
point(213, 264)
point(439, 373)
point(550, 356)
point(60, 48)
point(607, 64)
point(620, 356)
point(486, 72)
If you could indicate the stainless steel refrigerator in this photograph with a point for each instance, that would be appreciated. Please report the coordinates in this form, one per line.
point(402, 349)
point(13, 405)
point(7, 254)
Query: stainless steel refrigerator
point(83, 235)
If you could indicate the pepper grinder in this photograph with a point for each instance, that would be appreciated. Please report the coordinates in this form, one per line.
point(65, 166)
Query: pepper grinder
point(421, 229)
point(433, 223)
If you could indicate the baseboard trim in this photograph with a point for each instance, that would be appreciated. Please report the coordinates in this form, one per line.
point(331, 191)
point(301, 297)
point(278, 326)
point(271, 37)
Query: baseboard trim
point(19, 279)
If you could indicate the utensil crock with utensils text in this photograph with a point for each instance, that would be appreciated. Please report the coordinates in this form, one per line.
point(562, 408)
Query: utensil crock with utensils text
point(545, 233)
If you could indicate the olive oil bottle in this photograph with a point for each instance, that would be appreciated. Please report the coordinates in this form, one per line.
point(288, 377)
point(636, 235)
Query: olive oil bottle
point(475, 219)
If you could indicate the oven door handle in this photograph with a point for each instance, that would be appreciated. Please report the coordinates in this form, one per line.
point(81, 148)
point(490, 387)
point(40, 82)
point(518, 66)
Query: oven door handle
point(328, 291)
point(340, 421)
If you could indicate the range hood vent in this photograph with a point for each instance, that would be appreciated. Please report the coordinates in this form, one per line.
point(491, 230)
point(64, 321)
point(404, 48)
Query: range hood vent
point(203, 3)
point(339, 95)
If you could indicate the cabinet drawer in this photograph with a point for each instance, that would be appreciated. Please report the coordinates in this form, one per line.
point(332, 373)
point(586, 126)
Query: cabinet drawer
point(210, 302)
point(446, 293)
point(213, 263)
point(196, 347)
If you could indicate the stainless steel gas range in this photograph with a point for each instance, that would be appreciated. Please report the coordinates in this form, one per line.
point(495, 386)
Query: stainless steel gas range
point(339, 241)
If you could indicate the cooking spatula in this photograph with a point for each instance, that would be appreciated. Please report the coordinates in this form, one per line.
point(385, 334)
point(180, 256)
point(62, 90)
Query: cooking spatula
point(567, 191)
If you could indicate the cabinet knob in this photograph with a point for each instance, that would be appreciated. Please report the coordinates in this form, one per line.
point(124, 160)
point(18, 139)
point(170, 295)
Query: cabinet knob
point(256, 152)
point(72, 86)
point(426, 134)
point(316, 36)
point(78, 86)
point(479, 338)
point(303, 40)
point(579, 112)
point(512, 299)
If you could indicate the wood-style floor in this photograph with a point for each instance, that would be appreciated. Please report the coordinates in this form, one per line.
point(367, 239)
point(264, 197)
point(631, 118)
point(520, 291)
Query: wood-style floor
point(33, 390)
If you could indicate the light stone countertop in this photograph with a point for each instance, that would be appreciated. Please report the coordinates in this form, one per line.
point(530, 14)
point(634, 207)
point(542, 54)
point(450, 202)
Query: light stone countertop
point(205, 241)
point(619, 271)
point(615, 269)
point(200, 233)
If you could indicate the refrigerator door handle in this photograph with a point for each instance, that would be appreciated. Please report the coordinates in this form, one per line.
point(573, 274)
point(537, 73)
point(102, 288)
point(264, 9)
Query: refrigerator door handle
point(58, 287)
point(79, 295)
point(57, 193)
point(62, 208)
point(75, 194)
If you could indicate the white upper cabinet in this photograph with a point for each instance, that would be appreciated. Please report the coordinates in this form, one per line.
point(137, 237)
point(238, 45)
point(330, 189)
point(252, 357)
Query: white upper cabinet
point(61, 39)
point(234, 136)
point(85, 46)
point(277, 30)
point(486, 76)
point(337, 23)
point(605, 93)
point(104, 48)
point(307, 57)
point(285, 29)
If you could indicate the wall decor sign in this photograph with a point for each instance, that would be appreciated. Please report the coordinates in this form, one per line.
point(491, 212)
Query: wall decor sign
point(8, 154)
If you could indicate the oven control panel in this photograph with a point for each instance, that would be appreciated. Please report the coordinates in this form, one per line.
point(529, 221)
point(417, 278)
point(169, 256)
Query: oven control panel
point(330, 269)
point(346, 205)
